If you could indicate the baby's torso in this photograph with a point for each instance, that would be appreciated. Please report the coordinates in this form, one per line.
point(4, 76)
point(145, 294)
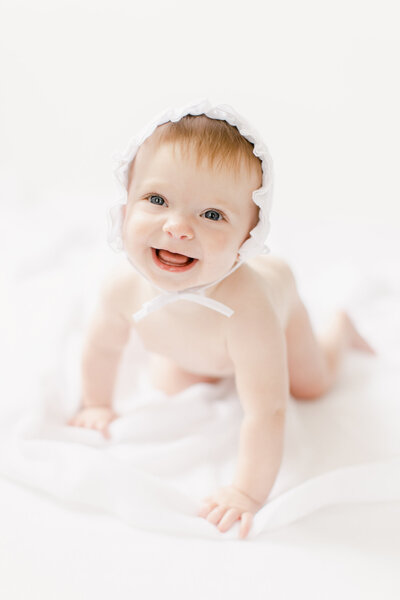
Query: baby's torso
point(196, 344)
point(194, 337)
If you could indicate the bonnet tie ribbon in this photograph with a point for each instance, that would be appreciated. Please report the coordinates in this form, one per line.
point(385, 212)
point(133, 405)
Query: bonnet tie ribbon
point(164, 299)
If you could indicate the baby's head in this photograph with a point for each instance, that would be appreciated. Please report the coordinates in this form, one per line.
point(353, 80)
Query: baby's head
point(197, 185)
point(211, 141)
point(189, 205)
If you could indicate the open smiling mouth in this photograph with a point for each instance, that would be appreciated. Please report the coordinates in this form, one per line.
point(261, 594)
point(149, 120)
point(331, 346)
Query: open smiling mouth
point(172, 261)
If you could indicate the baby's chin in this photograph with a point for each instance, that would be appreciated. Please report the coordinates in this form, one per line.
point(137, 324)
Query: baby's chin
point(175, 282)
point(178, 282)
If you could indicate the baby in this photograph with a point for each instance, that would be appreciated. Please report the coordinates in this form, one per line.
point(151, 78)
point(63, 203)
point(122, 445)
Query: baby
point(192, 187)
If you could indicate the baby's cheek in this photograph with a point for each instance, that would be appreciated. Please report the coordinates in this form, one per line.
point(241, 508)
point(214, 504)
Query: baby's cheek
point(224, 251)
point(220, 243)
point(135, 231)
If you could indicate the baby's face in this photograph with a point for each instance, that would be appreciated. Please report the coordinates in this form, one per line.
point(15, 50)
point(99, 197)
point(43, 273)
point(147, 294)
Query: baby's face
point(184, 223)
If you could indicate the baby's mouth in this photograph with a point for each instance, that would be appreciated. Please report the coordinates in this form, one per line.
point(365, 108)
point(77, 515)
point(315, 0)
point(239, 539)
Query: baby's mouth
point(172, 261)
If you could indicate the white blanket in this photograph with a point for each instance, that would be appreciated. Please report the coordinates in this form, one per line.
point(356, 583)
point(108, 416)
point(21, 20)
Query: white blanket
point(166, 453)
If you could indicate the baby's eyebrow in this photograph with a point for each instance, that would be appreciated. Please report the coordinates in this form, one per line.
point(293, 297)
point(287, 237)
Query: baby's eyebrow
point(153, 184)
point(223, 204)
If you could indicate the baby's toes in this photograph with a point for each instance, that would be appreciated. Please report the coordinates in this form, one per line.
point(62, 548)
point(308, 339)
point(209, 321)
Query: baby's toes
point(229, 519)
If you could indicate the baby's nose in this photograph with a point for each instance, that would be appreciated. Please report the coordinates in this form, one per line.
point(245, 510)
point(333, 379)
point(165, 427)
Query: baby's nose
point(178, 230)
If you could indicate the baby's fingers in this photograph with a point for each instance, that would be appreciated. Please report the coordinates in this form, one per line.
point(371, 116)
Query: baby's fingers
point(245, 524)
point(206, 508)
point(229, 519)
point(77, 421)
point(101, 426)
point(216, 514)
point(92, 422)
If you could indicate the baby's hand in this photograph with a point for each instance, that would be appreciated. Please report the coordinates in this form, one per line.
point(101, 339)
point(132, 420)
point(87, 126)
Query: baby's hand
point(94, 417)
point(227, 506)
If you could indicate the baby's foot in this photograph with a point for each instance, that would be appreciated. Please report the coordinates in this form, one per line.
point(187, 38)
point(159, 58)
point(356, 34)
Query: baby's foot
point(355, 339)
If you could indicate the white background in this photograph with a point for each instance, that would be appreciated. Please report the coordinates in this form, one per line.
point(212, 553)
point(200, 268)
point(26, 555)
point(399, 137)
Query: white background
point(318, 79)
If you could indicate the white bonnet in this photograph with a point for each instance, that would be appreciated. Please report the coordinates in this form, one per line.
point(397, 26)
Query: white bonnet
point(255, 244)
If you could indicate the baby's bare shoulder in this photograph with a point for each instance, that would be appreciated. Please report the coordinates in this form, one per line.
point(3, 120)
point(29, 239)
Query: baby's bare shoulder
point(265, 284)
point(243, 289)
point(255, 320)
point(274, 270)
point(121, 290)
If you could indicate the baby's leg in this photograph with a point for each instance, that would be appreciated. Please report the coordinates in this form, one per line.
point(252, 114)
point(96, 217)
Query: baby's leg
point(313, 361)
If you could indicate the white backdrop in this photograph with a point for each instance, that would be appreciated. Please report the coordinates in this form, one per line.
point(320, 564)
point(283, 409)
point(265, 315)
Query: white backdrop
point(319, 79)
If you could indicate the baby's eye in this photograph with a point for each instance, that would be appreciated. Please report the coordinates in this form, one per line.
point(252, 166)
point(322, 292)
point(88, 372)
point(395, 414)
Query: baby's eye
point(213, 215)
point(155, 199)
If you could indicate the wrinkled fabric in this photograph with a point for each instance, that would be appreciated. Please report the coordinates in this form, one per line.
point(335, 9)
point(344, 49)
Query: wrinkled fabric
point(166, 453)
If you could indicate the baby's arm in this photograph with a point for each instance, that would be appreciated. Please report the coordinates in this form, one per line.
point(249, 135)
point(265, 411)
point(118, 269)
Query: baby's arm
point(257, 347)
point(107, 335)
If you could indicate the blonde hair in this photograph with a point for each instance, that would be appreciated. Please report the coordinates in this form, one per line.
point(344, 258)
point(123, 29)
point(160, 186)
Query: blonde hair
point(213, 140)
